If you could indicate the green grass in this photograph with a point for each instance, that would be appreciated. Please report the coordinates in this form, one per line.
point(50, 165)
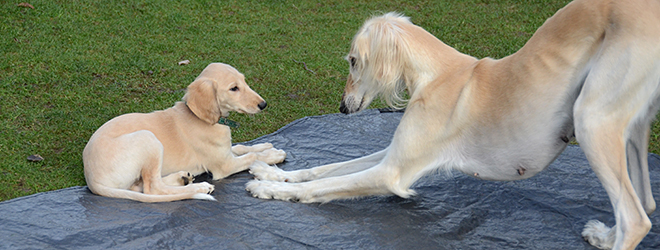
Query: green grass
point(69, 66)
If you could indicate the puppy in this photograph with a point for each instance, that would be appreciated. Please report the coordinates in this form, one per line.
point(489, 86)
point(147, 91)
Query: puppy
point(152, 157)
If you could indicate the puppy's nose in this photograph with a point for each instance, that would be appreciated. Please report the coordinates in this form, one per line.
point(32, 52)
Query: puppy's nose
point(262, 105)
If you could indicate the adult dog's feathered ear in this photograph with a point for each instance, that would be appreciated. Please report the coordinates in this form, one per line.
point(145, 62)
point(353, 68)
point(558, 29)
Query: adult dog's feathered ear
point(382, 47)
point(201, 99)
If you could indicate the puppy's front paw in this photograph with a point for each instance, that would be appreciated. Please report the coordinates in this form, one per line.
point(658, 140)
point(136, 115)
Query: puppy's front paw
point(272, 156)
point(262, 146)
point(265, 172)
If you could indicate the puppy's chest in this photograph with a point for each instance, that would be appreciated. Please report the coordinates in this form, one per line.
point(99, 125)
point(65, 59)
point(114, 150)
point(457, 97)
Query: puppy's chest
point(196, 159)
point(196, 151)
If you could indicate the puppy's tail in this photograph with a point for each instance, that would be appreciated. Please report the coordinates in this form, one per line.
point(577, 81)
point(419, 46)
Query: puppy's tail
point(137, 196)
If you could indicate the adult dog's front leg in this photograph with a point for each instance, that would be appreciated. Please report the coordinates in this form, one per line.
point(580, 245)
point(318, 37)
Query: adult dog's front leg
point(265, 172)
point(378, 180)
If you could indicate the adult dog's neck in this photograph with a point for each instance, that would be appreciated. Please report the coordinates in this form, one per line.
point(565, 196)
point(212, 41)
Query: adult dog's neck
point(556, 56)
point(430, 60)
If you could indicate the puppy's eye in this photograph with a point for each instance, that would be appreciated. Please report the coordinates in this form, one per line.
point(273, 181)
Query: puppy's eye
point(234, 89)
point(352, 59)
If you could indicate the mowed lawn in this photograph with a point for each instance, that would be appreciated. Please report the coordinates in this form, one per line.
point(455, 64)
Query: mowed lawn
point(66, 67)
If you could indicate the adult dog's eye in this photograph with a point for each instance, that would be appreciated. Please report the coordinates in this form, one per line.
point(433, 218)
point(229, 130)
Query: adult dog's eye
point(352, 59)
point(234, 89)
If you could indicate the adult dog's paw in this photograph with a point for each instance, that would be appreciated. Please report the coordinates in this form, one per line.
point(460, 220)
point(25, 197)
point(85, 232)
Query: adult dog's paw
point(265, 172)
point(258, 190)
point(598, 235)
point(271, 190)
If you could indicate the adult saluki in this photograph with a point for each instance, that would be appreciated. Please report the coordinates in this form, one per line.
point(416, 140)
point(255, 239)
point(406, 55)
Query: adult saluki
point(591, 71)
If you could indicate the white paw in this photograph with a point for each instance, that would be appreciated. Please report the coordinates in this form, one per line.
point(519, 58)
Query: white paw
point(265, 172)
point(180, 178)
point(270, 190)
point(598, 235)
point(262, 146)
point(186, 178)
point(202, 187)
point(271, 156)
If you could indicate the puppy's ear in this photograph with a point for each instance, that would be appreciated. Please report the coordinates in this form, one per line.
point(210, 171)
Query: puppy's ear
point(201, 99)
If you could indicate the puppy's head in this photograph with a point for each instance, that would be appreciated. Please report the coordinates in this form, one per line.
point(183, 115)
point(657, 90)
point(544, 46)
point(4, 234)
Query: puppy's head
point(220, 88)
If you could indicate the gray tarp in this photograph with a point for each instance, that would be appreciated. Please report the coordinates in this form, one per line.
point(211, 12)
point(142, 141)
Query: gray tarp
point(547, 211)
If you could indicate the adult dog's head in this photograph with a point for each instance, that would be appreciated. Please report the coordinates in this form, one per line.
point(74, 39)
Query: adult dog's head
point(220, 88)
point(378, 59)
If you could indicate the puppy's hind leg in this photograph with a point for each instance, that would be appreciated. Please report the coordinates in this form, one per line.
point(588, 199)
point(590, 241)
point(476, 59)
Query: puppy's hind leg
point(180, 178)
point(152, 162)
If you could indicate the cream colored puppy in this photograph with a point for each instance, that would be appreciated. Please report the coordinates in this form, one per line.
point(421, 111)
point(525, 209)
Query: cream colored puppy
point(592, 70)
point(152, 157)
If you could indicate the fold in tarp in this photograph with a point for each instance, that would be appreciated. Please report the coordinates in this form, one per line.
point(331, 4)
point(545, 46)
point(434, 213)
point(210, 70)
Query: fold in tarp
point(547, 211)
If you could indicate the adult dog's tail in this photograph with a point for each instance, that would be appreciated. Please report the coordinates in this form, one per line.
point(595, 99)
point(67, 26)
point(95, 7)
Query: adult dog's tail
point(137, 196)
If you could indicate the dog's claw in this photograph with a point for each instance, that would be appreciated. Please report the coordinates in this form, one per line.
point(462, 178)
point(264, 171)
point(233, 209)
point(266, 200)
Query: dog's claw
point(186, 178)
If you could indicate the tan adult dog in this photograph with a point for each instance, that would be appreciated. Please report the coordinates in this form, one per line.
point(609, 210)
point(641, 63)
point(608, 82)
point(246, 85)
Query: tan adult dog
point(591, 71)
point(128, 155)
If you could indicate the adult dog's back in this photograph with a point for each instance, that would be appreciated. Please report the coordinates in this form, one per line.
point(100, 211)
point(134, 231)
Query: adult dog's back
point(591, 71)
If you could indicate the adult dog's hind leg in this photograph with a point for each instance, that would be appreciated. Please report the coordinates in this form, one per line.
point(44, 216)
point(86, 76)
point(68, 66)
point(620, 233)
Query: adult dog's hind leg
point(270, 173)
point(611, 115)
point(637, 155)
point(605, 148)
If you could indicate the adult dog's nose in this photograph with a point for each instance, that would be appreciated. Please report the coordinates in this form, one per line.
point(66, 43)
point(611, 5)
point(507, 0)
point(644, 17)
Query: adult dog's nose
point(343, 108)
point(262, 105)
